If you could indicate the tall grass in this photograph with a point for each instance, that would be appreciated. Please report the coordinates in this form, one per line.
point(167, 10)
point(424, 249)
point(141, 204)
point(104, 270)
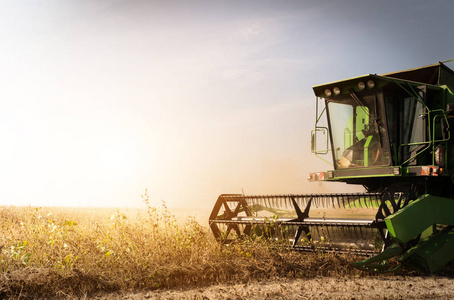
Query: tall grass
point(57, 252)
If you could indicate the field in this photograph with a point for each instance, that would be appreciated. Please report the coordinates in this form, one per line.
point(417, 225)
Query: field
point(109, 253)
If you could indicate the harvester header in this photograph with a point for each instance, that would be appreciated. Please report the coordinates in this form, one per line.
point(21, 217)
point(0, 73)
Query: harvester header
point(391, 134)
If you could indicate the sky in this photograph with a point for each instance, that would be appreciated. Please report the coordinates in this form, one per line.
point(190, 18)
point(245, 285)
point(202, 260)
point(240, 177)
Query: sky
point(102, 100)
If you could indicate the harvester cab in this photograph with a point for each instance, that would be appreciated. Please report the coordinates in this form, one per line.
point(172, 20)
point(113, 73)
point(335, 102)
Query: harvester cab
point(388, 129)
point(392, 134)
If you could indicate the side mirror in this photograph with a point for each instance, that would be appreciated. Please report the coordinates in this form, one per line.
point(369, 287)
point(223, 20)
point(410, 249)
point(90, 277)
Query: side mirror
point(447, 123)
point(450, 109)
point(319, 144)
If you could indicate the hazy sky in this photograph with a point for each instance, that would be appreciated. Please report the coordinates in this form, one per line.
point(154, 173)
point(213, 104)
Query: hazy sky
point(100, 100)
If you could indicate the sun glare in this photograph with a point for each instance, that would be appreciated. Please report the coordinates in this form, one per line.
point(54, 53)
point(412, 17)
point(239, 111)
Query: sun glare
point(115, 159)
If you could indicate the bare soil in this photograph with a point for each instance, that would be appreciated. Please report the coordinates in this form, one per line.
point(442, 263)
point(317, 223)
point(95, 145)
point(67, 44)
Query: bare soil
point(389, 287)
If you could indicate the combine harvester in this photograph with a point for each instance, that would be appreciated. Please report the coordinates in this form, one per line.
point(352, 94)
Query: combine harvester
point(391, 133)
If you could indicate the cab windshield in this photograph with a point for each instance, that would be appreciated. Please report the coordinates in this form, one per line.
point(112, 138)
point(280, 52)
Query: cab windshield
point(358, 131)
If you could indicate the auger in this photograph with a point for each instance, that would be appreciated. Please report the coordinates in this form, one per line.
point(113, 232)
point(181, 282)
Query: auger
point(390, 133)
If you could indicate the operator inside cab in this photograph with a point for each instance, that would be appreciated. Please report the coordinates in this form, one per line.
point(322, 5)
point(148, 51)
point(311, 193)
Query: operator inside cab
point(364, 152)
point(358, 132)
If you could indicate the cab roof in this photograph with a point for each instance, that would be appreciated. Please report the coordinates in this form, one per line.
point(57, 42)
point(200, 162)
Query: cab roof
point(436, 74)
point(433, 75)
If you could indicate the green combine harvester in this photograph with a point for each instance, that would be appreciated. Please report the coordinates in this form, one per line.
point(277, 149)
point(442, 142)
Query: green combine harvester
point(391, 133)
